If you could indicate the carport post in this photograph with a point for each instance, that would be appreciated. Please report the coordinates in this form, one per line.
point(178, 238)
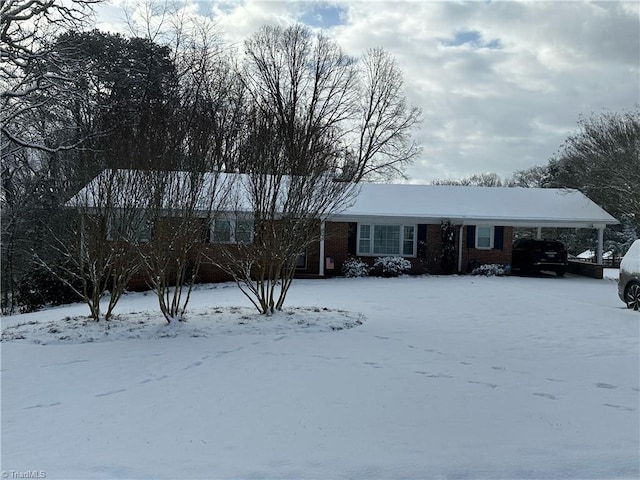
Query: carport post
point(460, 249)
point(600, 251)
point(539, 233)
point(321, 269)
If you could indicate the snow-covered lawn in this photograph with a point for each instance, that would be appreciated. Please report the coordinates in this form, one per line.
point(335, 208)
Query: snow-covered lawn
point(430, 377)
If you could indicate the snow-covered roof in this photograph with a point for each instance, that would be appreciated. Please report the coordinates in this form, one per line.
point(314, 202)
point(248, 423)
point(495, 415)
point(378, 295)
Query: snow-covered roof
point(515, 206)
point(589, 254)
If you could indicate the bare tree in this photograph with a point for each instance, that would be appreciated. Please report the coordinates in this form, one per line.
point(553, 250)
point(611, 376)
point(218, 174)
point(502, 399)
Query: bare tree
point(603, 161)
point(200, 143)
point(275, 211)
point(475, 180)
point(33, 91)
point(100, 251)
point(384, 146)
point(312, 88)
point(180, 205)
point(317, 123)
point(533, 177)
point(27, 28)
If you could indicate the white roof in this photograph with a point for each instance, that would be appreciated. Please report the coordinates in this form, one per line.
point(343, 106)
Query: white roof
point(589, 254)
point(515, 206)
point(470, 205)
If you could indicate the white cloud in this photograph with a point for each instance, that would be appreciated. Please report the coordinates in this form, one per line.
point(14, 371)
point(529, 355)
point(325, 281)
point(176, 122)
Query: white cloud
point(501, 84)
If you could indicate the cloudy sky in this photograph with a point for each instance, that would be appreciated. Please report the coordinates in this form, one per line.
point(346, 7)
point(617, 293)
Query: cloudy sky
point(501, 83)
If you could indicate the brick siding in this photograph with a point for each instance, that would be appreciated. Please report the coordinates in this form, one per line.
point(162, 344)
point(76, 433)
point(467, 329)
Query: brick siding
point(472, 256)
point(428, 260)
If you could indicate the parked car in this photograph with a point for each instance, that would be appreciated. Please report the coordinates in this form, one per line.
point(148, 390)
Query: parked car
point(629, 279)
point(534, 256)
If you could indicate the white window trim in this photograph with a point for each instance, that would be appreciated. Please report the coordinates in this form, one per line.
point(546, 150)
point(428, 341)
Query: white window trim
point(233, 227)
point(401, 245)
point(492, 231)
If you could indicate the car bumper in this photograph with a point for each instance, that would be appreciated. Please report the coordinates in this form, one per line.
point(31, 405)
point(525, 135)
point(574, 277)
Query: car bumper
point(549, 264)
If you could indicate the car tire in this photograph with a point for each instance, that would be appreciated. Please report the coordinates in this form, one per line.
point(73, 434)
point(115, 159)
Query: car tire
point(561, 271)
point(632, 295)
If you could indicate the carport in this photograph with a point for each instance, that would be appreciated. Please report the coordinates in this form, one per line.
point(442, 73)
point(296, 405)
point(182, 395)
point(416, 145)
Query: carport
point(471, 208)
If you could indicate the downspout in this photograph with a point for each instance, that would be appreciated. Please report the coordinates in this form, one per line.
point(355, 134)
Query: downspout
point(460, 249)
point(321, 269)
point(600, 251)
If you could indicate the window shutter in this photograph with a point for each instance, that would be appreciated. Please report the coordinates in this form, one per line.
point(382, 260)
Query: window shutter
point(498, 238)
point(352, 240)
point(422, 240)
point(471, 236)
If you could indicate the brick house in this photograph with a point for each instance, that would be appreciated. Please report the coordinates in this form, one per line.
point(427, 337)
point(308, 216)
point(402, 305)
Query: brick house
point(407, 220)
point(422, 222)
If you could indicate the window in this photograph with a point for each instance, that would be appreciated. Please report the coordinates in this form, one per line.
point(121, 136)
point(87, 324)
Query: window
point(231, 231)
point(387, 240)
point(408, 240)
point(221, 231)
point(301, 261)
point(484, 238)
point(129, 226)
point(364, 242)
point(244, 231)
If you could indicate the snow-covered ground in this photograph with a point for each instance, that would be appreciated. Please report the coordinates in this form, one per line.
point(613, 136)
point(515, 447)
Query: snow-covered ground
point(429, 377)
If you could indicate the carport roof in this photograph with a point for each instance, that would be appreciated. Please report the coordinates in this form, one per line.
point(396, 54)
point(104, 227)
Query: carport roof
point(515, 206)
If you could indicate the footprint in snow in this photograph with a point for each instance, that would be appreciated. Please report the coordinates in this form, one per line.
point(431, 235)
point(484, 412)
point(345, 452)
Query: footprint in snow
point(431, 350)
point(433, 375)
point(142, 382)
point(54, 404)
point(545, 395)
point(619, 407)
point(486, 384)
point(373, 364)
point(193, 365)
point(112, 392)
point(606, 385)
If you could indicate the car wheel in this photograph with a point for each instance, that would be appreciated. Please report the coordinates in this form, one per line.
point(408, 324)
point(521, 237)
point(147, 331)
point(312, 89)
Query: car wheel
point(632, 296)
point(561, 271)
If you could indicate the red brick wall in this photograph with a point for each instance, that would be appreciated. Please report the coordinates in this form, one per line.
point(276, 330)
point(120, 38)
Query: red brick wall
point(429, 259)
point(336, 237)
point(471, 255)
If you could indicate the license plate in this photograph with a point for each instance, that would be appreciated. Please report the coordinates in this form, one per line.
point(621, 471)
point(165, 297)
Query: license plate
point(550, 254)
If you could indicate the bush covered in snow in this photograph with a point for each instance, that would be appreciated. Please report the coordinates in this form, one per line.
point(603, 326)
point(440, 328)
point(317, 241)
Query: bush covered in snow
point(354, 267)
point(489, 270)
point(390, 266)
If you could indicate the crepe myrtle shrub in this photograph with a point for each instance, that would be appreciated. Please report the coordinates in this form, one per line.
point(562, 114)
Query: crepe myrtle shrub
point(390, 266)
point(354, 267)
point(490, 270)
